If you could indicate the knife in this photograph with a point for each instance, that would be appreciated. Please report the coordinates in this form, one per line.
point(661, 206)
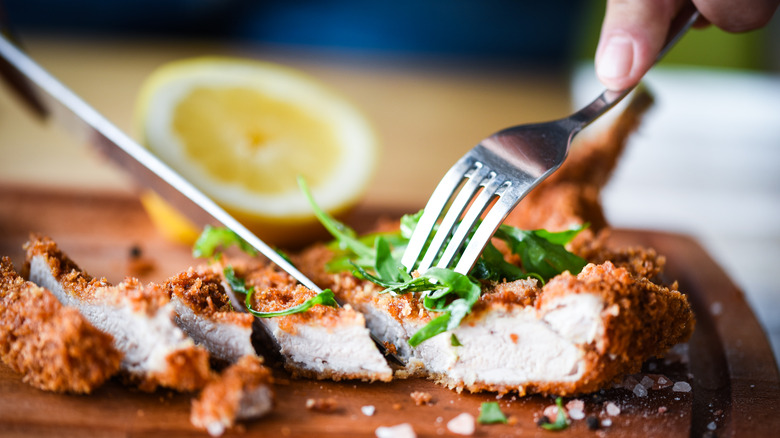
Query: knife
point(49, 98)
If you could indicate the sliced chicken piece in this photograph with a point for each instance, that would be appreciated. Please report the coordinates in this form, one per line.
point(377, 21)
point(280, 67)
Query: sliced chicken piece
point(242, 392)
point(323, 342)
point(54, 347)
point(574, 335)
point(140, 319)
point(205, 313)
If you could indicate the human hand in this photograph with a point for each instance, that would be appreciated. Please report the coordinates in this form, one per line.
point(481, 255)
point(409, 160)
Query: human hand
point(634, 31)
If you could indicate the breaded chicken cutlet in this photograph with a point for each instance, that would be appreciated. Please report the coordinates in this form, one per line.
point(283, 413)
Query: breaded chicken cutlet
point(573, 335)
point(323, 342)
point(156, 352)
point(142, 319)
point(54, 347)
point(204, 311)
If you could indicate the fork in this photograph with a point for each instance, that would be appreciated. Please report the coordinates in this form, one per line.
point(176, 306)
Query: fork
point(495, 176)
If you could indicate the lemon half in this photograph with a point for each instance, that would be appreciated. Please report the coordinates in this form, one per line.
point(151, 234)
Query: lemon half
point(242, 131)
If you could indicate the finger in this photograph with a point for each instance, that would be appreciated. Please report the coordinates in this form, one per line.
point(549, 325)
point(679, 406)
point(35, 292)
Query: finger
point(748, 15)
point(632, 35)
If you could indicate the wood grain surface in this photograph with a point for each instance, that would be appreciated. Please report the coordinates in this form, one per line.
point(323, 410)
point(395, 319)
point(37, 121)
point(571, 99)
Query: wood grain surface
point(736, 388)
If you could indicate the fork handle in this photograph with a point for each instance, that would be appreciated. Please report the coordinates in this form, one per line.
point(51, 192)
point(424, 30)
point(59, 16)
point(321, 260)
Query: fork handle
point(609, 98)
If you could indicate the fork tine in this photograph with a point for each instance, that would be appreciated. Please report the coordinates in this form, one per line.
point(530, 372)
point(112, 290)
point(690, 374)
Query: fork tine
point(466, 194)
point(433, 209)
point(472, 215)
point(485, 231)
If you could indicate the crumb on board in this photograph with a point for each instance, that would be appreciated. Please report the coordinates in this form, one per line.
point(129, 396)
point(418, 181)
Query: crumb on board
point(421, 398)
point(138, 265)
point(368, 410)
point(322, 404)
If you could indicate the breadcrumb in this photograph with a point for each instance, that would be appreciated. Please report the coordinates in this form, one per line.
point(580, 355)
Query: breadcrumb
point(243, 391)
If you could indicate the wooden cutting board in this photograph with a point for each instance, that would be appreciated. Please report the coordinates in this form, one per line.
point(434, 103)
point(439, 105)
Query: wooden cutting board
point(736, 388)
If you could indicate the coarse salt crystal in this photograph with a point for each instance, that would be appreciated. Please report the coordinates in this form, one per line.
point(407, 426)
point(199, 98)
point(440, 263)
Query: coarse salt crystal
point(640, 391)
point(606, 422)
point(662, 409)
point(647, 382)
point(404, 430)
point(613, 409)
point(576, 414)
point(368, 410)
point(712, 425)
point(463, 424)
point(576, 404)
point(551, 412)
point(681, 387)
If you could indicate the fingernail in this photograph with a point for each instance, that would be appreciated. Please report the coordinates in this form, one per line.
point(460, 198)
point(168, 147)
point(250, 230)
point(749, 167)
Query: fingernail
point(616, 58)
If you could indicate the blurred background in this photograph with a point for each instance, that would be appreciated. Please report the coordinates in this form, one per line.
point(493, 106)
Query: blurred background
point(439, 76)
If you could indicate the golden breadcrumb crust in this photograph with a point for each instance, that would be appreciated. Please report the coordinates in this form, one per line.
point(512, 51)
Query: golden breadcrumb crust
point(188, 368)
point(201, 289)
point(220, 401)
point(54, 347)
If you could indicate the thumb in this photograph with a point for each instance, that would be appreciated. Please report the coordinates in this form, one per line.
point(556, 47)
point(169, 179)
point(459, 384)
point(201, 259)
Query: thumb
point(632, 35)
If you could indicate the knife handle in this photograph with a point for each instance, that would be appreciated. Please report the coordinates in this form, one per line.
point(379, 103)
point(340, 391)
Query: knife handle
point(19, 84)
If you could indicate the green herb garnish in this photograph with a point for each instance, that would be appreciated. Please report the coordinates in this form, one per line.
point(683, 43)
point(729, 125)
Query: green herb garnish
point(541, 251)
point(454, 341)
point(561, 422)
point(377, 258)
point(490, 413)
point(214, 237)
point(325, 298)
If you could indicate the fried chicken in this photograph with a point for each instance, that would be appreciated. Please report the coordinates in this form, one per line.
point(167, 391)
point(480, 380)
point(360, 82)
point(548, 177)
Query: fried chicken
point(52, 346)
point(140, 319)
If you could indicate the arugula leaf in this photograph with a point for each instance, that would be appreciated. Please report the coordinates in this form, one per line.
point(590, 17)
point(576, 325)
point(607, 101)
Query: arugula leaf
point(491, 266)
point(541, 251)
point(346, 237)
point(435, 327)
point(409, 223)
point(213, 237)
point(237, 284)
point(325, 298)
point(490, 413)
point(561, 422)
point(385, 265)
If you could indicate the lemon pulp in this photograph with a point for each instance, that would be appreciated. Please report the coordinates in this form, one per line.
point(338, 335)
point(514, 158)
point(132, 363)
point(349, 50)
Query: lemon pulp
point(272, 141)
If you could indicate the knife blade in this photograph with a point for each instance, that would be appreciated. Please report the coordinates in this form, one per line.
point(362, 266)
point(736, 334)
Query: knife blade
point(50, 99)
